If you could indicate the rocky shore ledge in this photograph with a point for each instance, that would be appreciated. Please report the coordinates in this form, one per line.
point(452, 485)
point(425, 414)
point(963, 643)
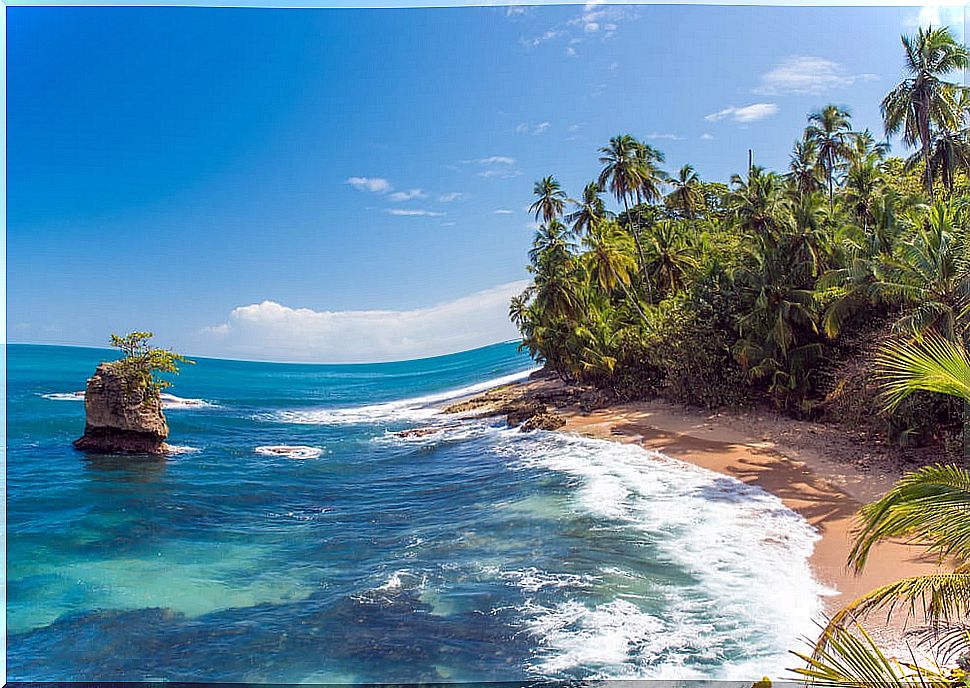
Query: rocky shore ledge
point(118, 421)
point(534, 406)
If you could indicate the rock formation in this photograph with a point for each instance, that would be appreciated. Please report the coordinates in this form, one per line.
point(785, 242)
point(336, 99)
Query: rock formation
point(120, 421)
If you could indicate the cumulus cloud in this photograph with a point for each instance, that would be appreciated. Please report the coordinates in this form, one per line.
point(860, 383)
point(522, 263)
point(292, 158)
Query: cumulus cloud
point(941, 14)
point(744, 115)
point(805, 75)
point(450, 196)
point(273, 331)
point(372, 184)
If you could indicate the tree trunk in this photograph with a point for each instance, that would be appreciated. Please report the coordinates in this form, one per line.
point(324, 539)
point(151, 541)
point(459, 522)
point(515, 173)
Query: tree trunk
point(641, 260)
point(632, 299)
point(924, 135)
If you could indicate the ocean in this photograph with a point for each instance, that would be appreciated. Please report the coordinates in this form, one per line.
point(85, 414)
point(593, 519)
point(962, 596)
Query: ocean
point(473, 553)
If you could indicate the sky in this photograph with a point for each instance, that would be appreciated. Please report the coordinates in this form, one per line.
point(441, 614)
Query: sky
point(352, 185)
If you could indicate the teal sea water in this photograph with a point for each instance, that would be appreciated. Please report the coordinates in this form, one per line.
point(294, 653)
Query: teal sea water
point(472, 553)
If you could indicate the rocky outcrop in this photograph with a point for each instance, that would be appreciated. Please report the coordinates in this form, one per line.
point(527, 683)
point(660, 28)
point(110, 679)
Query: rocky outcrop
point(543, 420)
point(119, 421)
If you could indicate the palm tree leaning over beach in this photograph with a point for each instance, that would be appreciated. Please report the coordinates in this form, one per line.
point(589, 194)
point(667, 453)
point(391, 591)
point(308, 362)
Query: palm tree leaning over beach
point(930, 506)
point(925, 100)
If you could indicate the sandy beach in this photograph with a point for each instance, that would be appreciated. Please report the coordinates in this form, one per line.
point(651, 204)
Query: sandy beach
point(812, 467)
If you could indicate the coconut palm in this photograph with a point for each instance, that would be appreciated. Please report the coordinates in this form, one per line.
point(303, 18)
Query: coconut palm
point(624, 175)
point(928, 275)
point(590, 211)
point(928, 506)
point(758, 204)
point(804, 171)
point(687, 196)
point(829, 130)
point(551, 244)
point(925, 99)
point(949, 152)
point(669, 257)
point(652, 178)
point(550, 200)
point(864, 182)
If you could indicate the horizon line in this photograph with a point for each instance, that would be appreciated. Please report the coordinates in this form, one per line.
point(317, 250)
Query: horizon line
point(257, 360)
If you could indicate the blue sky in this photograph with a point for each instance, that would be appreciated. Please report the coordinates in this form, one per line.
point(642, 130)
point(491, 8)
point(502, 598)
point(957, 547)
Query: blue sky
point(341, 185)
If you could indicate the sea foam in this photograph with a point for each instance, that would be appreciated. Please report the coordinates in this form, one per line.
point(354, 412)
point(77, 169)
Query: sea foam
point(755, 596)
point(416, 409)
point(170, 402)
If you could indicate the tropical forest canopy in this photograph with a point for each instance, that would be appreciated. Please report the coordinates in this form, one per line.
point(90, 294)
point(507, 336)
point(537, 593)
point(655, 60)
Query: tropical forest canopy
point(779, 286)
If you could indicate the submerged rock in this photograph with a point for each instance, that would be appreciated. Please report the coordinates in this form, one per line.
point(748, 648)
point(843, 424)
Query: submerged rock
point(118, 420)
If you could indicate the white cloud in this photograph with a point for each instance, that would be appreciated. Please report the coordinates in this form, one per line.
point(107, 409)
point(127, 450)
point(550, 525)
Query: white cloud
point(668, 137)
point(500, 173)
point(407, 195)
point(451, 196)
point(373, 184)
point(272, 331)
point(535, 130)
point(412, 212)
point(805, 75)
point(549, 35)
point(941, 14)
point(744, 115)
point(503, 211)
point(499, 166)
point(496, 160)
point(707, 137)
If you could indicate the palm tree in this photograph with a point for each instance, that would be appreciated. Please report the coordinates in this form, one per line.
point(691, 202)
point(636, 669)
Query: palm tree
point(623, 174)
point(804, 168)
point(928, 275)
point(863, 183)
point(829, 130)
point(550, 199)
point(949, 152)
point(925, 99)
point(652, 178)
point(669, 258)
point(929, 506)
point(758, 204)
point(589, 212)
point(687, 195)
point(551, 244)
point(609, 260)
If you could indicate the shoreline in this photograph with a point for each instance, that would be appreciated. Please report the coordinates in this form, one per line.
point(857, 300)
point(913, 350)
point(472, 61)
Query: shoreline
point(815, 469)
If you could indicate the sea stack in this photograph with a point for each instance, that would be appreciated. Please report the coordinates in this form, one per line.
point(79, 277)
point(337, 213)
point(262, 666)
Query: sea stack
point(119, 421)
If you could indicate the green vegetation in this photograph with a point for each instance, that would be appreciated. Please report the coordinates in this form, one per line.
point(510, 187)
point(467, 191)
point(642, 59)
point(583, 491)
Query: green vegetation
point(838, 289)
point(928, 506)
point(142, 364)
point(778, 287)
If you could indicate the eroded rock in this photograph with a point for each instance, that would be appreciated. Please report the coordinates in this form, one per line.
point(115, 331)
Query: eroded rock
point(118, 420)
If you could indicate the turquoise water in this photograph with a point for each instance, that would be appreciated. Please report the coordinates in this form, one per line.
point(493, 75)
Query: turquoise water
point(473, 553)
